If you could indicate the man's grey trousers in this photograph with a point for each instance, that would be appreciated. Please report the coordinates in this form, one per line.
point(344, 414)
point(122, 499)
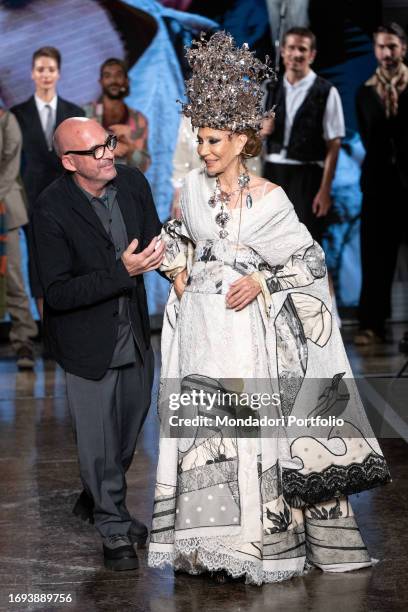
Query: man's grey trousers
point(107, 416)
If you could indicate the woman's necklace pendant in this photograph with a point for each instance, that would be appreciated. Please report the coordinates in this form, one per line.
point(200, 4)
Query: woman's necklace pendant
point(213, 201)
point(223, 198)
point(243, 180)
point(219, 196)
point(222, 218)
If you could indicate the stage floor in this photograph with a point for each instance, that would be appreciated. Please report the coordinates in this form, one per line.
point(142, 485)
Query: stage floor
point(44, 549)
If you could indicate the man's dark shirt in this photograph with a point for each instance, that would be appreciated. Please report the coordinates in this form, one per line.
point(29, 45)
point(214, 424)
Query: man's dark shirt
point(385, 141)
point(108, 211)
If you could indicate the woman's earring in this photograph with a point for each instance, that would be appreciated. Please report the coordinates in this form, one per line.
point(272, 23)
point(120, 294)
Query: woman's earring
point(243, 182)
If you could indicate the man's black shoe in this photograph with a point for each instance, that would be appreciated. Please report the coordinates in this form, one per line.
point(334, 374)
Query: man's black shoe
point(84, 507)
point(119, 554)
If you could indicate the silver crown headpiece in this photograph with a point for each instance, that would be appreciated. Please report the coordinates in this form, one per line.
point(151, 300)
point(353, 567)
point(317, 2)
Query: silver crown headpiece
point(225, 89)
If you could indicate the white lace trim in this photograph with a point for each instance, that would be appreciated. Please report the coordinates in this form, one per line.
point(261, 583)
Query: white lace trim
point(198, 555)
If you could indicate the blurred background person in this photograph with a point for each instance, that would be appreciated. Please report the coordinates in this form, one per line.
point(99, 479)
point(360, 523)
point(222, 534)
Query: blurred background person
point(129, 125)
point(185, 159)
point(382, 114)
point(38, 118)
point(17, 304)
point(304, 138)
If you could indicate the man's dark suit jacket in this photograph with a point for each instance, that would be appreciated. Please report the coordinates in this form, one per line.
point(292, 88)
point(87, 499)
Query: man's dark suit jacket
point(385, 140)
point(40, 167)
point(81, 278)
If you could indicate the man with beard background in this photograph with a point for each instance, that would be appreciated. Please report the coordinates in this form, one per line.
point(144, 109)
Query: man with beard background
point(382, 114)
point(128, 125)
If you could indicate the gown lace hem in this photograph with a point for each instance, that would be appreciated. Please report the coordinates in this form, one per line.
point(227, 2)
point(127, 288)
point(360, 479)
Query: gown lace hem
point(199, 555)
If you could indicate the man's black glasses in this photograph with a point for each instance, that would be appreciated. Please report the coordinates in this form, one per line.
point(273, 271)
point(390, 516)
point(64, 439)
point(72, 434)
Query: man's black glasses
point(98, 151)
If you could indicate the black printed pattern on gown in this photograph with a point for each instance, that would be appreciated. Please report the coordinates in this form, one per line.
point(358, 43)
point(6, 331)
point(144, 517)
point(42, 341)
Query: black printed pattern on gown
point(164, 514)
point(334, 481)
point(301, 271)
point(281, 520)
point(207, 491)
point(323, 514)
point(332, 535)
point(175, 241)
point(291, 354)
point(334, 399)
point(227, 405)
point(208, 494)
point(301, 318)
point(210, 259)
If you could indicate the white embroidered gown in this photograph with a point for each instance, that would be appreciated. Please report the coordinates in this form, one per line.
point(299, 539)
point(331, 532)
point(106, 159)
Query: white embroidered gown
point(269, 506)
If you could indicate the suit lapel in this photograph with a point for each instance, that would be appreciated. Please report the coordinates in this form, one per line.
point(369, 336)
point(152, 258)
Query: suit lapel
point(128, 209)
point(126, 203)
point(61, 113)
point(82, 207)
point(36, 126)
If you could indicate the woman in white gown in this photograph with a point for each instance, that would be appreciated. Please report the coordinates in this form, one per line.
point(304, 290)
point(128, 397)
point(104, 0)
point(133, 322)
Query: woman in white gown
point(250, 312)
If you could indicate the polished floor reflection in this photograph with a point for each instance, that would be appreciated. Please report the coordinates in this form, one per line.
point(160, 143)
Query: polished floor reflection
point(44, 549)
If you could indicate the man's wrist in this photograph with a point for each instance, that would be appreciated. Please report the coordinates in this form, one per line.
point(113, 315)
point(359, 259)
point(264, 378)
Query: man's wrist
point(123, 276)
point(326, 189)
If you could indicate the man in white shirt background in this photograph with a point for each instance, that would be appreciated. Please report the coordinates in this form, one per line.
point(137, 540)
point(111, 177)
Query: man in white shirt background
point(303, 140)
point(38, 118)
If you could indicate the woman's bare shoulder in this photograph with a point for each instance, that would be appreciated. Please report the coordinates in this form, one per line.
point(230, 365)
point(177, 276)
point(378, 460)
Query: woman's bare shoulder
point(262, 186)
point(269, 187)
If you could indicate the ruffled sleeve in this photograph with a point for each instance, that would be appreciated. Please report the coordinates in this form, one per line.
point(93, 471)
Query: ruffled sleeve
point(179, 248)
point(300, 270)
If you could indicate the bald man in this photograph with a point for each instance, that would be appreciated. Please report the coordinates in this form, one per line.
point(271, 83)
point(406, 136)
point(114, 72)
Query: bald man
point(95, 233)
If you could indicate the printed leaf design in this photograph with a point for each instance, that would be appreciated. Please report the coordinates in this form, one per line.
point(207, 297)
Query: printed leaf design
point(322, 514)
point(335, 512)
point(318, 513)
point(281, 520)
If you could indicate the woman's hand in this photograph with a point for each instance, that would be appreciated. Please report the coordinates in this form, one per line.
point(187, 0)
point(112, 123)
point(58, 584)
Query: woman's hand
point(180, 283)
point(242, 292)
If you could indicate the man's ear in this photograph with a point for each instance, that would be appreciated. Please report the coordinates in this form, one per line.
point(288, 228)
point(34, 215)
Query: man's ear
point(66, 161)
